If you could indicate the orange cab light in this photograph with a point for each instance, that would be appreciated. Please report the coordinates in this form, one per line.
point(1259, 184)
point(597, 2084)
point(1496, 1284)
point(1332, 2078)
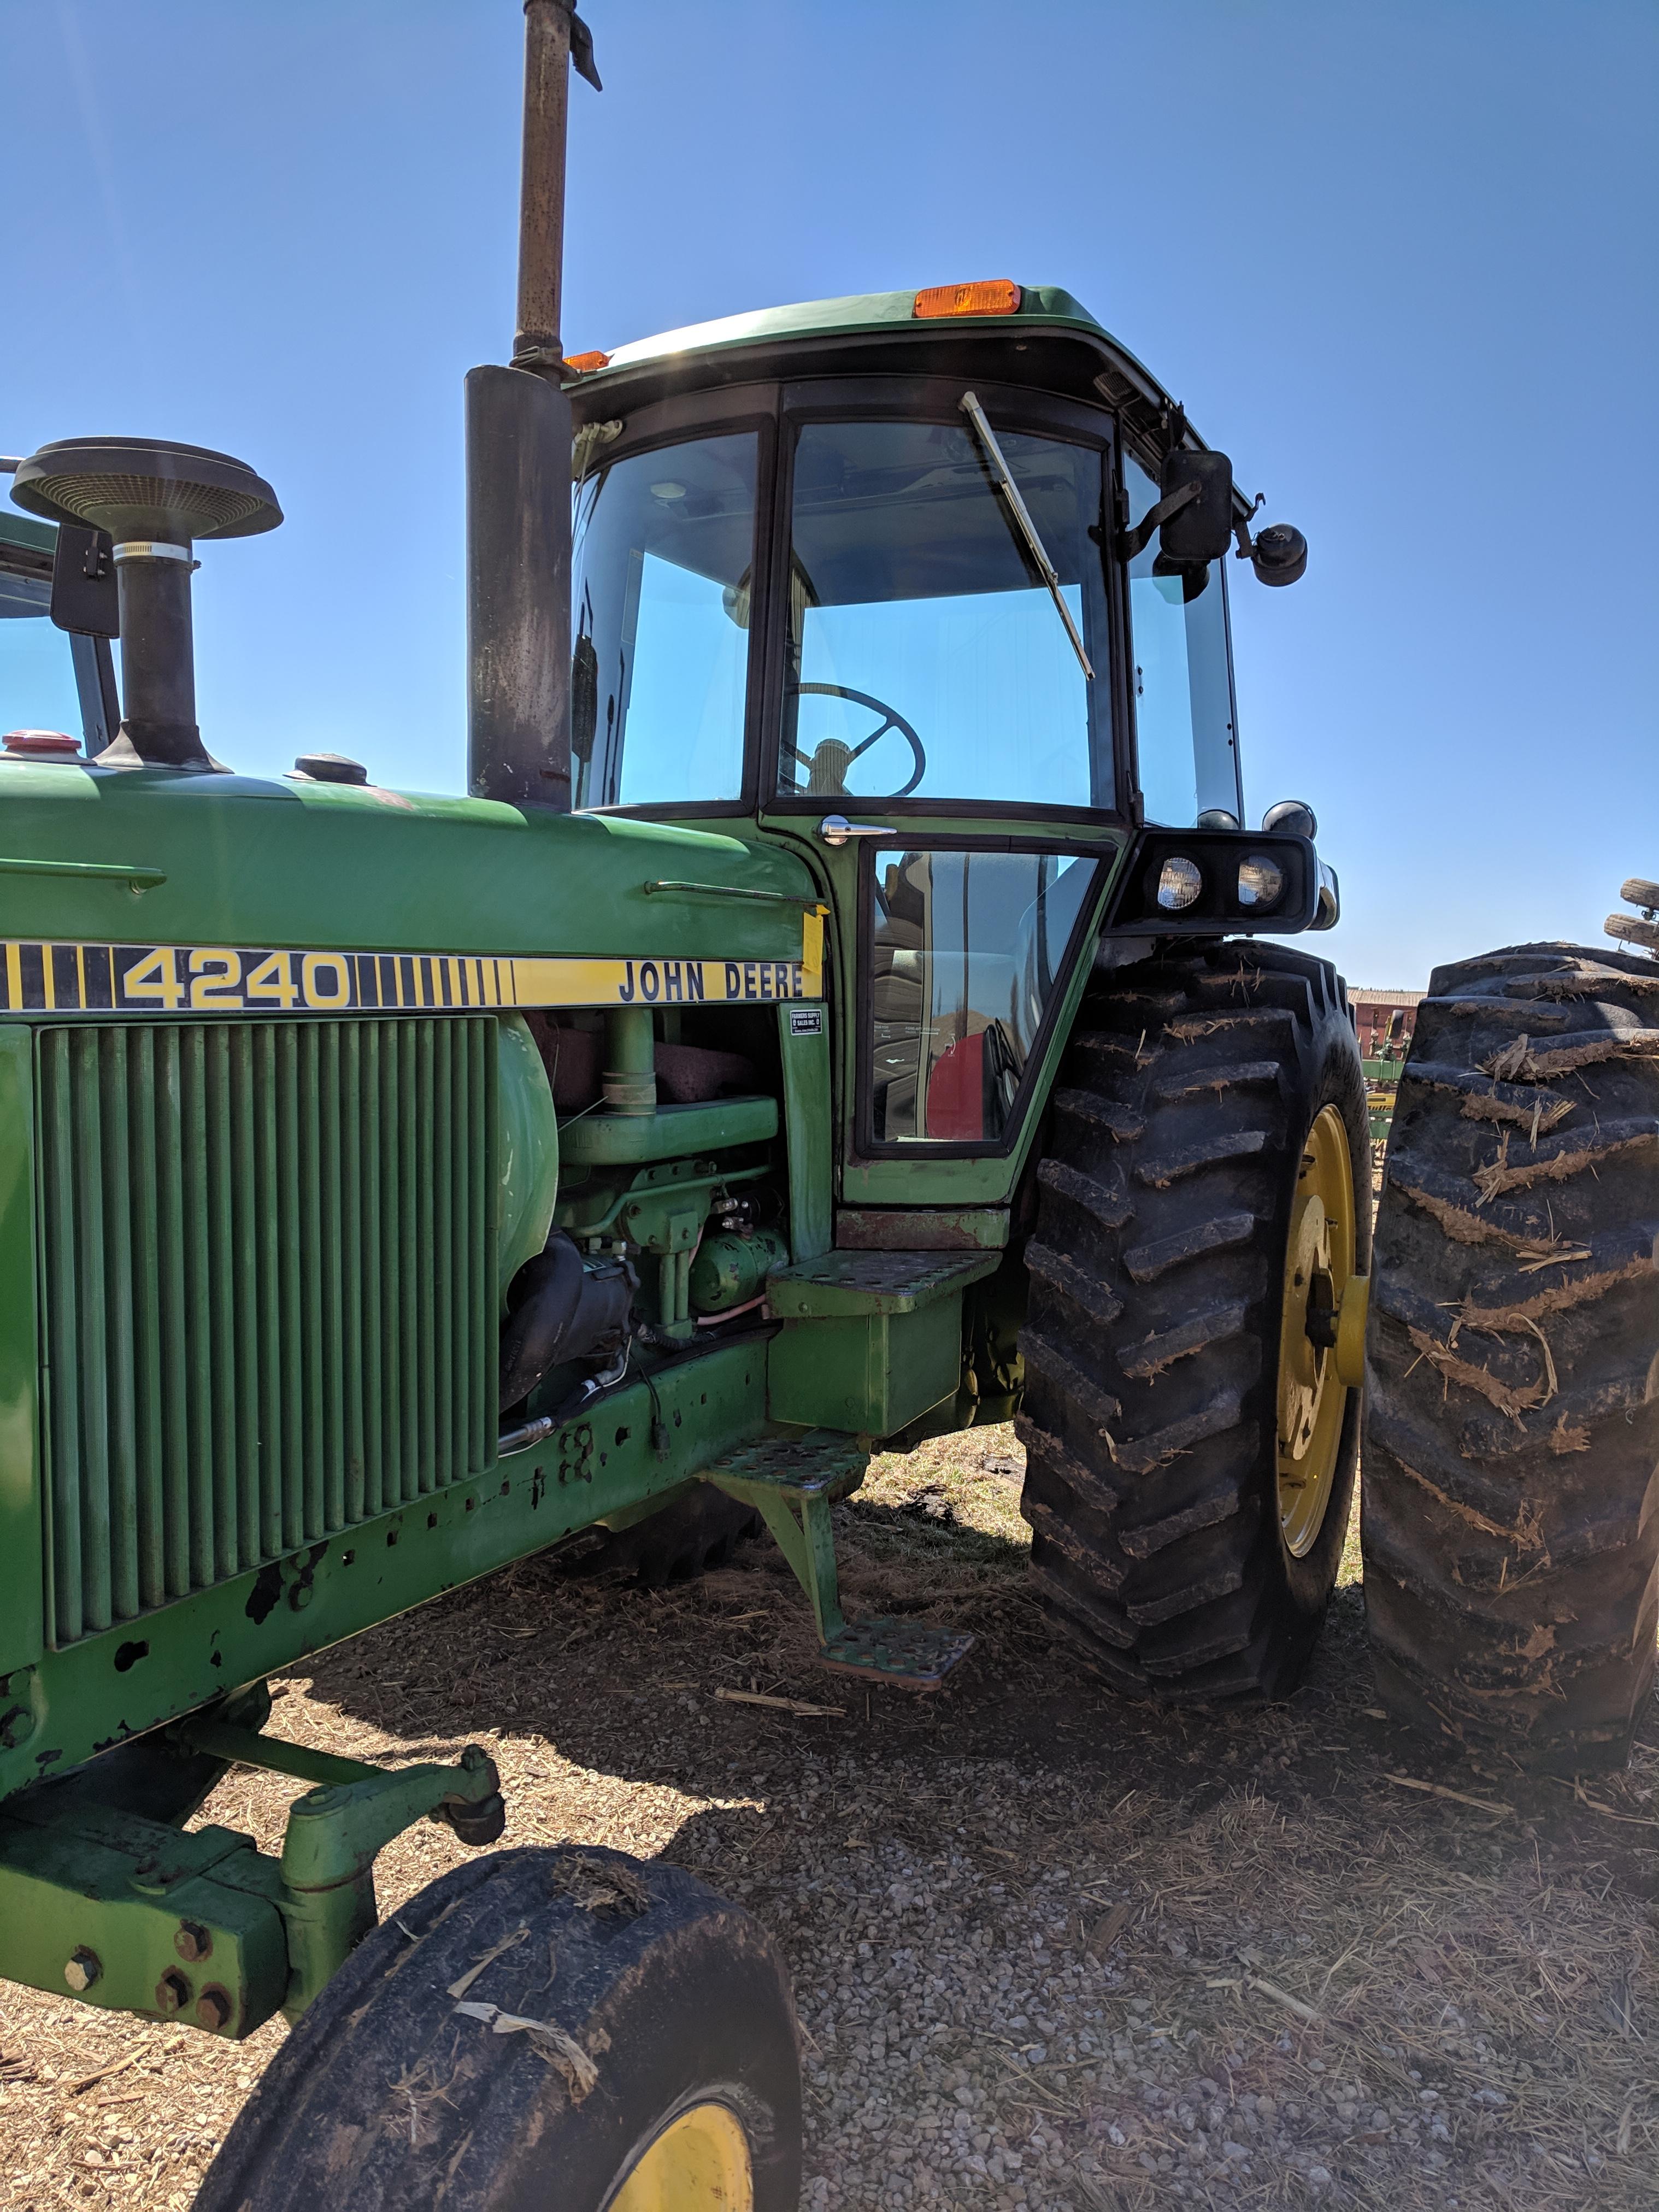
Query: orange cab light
point(584, 364)
point(991, 295)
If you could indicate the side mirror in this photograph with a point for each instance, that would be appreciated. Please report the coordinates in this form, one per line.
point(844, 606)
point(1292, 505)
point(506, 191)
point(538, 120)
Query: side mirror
point(1194, 514)
point(1197, 489)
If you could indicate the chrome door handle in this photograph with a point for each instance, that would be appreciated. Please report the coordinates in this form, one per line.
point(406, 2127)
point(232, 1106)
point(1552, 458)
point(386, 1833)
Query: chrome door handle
point(835, 830)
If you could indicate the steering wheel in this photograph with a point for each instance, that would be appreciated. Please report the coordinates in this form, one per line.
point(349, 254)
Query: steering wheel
point(826, 771)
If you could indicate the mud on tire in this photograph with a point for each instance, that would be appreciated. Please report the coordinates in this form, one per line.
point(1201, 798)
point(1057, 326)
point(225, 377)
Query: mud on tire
point(1512, 1507)
point(653, 1998)
point(1151, 1343)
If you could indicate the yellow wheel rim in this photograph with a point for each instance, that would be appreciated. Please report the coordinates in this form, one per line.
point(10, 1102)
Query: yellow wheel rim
point(699, 2163)
point(1319, 1265)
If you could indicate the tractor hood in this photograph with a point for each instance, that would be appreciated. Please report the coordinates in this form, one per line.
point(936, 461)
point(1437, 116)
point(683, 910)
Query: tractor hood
point(95, 859)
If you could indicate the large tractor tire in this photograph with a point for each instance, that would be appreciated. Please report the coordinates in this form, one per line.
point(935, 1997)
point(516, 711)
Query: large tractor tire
point(541, 2030)
point(1190, 1428)
point(1511, 1503)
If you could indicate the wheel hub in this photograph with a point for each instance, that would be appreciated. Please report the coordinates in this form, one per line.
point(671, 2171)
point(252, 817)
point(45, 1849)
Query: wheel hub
point(699, 2163)
point(1319, 1268)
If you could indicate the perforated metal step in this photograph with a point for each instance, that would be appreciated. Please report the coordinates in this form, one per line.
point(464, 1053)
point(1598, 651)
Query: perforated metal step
point(844, 1282)
point(906, 1653)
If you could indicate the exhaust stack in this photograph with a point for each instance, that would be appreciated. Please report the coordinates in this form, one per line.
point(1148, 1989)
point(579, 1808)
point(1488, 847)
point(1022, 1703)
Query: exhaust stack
point(153, 500)
point(518, 469)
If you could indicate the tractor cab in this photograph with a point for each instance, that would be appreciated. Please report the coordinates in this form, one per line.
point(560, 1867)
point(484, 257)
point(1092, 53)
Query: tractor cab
point(901, 581)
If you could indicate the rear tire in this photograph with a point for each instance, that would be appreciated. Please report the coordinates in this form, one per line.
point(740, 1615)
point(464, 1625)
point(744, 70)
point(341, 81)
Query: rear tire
point(1511, 1489)
point(679, 2083)
point(1164, 1542)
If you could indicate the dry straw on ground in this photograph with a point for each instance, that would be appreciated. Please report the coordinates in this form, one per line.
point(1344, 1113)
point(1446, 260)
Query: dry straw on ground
point(1050, 1950)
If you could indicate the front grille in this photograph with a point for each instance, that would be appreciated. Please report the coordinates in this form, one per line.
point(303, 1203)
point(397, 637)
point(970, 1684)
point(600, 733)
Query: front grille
point(269, 1291)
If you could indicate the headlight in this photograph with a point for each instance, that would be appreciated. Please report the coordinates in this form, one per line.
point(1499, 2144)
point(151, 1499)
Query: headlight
point(1260, 882)
point(1179, 884)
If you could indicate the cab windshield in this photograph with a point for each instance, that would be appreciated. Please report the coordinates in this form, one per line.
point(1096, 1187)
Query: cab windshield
point(927, 659)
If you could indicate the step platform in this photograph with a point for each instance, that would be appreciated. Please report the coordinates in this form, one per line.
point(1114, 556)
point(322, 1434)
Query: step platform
point(792, 1481)
point(871, 1341)
point(906, 1653)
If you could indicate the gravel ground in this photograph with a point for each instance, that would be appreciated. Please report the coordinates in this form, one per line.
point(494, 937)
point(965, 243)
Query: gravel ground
point(1050, 1950)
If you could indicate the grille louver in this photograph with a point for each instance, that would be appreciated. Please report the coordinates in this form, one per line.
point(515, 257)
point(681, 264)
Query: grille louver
point(269, 1291)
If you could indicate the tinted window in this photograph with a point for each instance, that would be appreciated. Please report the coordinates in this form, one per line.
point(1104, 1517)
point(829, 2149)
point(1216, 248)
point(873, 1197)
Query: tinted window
point(37, 689)
point(965, 948)
point(927, 657)
point(663, 548)
point(1180, 679)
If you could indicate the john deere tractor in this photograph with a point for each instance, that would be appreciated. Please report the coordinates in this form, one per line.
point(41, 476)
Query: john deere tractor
point(848, 1006)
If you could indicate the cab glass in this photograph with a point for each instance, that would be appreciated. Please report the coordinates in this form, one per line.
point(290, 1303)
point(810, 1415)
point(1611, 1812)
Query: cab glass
point(926, 657)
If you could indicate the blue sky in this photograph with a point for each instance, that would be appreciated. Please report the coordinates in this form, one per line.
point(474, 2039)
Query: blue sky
point(1397, 259)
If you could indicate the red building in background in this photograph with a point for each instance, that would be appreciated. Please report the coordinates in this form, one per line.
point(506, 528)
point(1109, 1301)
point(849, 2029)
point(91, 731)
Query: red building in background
point(1384, 1019)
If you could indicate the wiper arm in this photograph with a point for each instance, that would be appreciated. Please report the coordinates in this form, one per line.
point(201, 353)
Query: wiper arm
point(1022, 522)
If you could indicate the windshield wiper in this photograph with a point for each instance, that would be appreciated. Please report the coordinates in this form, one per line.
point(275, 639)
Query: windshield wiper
point(1022, 522)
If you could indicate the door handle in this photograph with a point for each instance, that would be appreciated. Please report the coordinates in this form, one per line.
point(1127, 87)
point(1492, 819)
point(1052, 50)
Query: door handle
point(835, 830)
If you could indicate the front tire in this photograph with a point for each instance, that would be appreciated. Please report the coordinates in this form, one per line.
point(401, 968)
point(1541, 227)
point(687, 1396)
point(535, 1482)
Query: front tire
point(661, 2069)
point(1190, 1449)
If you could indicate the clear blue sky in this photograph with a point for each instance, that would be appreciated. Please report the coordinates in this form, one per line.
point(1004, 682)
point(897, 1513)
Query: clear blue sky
point(1398, 259)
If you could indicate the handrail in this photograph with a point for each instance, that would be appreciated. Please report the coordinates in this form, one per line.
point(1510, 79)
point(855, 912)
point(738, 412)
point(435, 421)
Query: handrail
point(733, 891)
point(141, 879)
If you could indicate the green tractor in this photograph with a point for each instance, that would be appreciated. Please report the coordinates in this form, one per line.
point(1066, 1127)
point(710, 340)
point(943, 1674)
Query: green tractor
point(848, 1007)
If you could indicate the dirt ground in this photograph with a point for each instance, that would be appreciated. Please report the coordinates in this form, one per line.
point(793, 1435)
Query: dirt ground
point(1049, 1950)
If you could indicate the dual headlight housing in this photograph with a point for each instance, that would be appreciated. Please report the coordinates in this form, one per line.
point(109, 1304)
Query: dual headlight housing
point(1201, 883)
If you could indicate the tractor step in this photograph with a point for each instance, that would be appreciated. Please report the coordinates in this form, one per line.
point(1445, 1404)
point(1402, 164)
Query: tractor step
point(824, 1462)
point(906, 1653)
point(840, 1284)
point(792, 1481)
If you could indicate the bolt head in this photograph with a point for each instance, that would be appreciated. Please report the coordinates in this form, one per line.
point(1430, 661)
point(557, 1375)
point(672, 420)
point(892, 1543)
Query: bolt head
point(83, 1969)
point(193, 1942)
point(17, 1726)
point(213, 2009)
point(300, 1596)
point(172, 1992)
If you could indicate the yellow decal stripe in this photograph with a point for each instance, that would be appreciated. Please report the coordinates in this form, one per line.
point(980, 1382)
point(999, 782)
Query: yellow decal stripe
point(219, 979)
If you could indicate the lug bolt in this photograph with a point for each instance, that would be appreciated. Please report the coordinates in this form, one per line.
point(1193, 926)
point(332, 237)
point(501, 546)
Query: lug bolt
point(172, 1992)
point(193, 1942)
point(83, 1969)
point(213, 2009)
point(17, 1726)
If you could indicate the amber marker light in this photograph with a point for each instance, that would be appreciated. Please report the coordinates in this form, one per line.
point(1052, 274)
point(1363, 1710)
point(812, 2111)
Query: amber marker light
point(991, 295)
point(584, 364)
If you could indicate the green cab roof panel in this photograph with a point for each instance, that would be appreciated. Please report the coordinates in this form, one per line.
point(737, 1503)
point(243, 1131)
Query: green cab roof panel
point(860, 314)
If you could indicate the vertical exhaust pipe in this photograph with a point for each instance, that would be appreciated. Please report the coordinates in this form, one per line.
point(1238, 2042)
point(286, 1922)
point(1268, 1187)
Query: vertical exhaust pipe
point(518, 469)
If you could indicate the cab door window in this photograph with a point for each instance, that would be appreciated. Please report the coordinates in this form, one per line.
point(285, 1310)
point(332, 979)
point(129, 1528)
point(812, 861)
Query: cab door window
point(965, 950)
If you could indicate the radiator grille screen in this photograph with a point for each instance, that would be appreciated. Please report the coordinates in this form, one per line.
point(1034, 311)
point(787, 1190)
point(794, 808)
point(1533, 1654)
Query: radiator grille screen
point(269, 1291)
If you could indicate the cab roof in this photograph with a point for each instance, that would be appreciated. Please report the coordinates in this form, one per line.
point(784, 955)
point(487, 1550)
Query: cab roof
point(1050, 338)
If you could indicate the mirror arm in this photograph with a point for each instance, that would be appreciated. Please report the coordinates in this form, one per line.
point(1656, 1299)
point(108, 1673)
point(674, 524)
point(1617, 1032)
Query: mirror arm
point(1132, 542)
point(1246, 545)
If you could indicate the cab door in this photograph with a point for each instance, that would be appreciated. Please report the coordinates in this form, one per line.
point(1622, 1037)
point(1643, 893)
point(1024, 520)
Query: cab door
point(941, 734)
